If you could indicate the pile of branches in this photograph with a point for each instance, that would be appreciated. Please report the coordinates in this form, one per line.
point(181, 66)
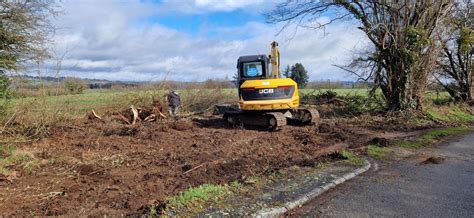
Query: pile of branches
point(329, 103)
point(327, 97)
point(133, 114)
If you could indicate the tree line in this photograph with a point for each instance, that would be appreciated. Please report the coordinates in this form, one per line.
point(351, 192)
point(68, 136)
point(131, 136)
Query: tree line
point(414, 43)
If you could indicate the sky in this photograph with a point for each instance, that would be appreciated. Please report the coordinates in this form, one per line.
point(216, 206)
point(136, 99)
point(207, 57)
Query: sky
point(188, 40)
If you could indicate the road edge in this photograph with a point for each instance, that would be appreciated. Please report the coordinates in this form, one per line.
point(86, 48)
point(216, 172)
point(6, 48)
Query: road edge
point(277, 211)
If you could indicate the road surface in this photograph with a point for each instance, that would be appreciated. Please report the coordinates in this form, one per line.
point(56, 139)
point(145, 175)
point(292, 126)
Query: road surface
point(407, 187)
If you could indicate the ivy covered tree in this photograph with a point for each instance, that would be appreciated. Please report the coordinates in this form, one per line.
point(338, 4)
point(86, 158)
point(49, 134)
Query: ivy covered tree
point(455, 62)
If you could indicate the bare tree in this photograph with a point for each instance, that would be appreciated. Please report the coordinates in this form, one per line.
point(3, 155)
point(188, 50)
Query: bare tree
point(455, 63)
point(401, 31)
point(24, 29)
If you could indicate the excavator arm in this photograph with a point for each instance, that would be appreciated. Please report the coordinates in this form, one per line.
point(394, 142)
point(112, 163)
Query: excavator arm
point(275, 60)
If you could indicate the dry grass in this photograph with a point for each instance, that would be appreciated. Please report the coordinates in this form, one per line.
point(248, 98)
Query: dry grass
point(50, 90)
point(200, 100)
point(34, 117)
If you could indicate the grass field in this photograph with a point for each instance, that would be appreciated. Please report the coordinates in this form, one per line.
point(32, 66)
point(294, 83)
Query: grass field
point(104, 100)
point(75, 103)
point(341, 92)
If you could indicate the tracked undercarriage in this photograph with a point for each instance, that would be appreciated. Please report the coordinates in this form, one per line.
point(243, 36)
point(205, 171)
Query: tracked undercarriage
point(273, 120)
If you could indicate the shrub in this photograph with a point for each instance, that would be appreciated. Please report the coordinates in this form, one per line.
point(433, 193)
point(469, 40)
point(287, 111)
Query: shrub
point(75, 86)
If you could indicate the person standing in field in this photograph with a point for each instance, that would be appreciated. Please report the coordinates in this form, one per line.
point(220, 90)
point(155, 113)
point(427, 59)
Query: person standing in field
point(174, 101)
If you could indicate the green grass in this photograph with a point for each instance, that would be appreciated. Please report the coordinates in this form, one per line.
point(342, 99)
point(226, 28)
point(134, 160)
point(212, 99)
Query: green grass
point(462, 115)
point(79, 104)
point(197, 197)
point(236, 185)
point(101, 100)
point(194, 199)
point(153, 212)
point(449, 114)
point(352, 159)
point(434, 115)
point(409, 144)
point(377, 152)
point(340, 92)
point(432, 136)
point(436, 134)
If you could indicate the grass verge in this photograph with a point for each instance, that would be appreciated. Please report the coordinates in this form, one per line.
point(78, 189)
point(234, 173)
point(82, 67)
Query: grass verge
point(197, 197)
point(457, 113)
point(377, 152)
point(432, 136)
point(352, 158)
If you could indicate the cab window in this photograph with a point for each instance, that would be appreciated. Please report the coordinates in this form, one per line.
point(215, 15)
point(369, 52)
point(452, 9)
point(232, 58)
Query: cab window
point(253, 69)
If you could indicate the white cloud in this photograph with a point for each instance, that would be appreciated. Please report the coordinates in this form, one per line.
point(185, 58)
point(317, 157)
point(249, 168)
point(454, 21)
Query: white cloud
point(203, 6)
point(104, 41)
point(226, 5)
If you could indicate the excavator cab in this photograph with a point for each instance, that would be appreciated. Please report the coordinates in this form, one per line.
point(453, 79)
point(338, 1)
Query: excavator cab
point(253, 67)
point(261, 90)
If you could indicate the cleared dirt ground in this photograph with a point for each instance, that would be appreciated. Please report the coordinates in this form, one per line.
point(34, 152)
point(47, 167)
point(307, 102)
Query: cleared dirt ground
point(94, 168)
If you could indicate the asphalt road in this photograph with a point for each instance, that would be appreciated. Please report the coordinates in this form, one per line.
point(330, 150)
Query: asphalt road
point(407, 187)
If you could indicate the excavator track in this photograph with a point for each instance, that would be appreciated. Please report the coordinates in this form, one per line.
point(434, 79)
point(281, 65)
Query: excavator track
point(270, 120)
point(315, 118)
point(275, 120)
point(304, 116)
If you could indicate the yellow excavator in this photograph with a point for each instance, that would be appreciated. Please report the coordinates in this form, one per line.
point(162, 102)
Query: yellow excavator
point(266, 99)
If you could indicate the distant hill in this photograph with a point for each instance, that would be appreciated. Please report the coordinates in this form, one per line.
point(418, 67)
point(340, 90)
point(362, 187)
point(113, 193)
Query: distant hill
point(63, 78)
point(105, 84)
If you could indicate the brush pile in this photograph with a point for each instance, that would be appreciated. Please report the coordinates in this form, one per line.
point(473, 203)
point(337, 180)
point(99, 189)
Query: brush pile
point(327, 97)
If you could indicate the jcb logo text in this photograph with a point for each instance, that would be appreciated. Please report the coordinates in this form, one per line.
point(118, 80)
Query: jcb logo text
point(265, 91)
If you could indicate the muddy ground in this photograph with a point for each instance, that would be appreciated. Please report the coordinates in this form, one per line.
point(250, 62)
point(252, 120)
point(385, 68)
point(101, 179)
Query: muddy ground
point(96, 168)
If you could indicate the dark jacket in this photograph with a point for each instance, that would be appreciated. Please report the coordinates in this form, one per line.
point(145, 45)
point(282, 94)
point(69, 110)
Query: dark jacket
point(174, 99)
